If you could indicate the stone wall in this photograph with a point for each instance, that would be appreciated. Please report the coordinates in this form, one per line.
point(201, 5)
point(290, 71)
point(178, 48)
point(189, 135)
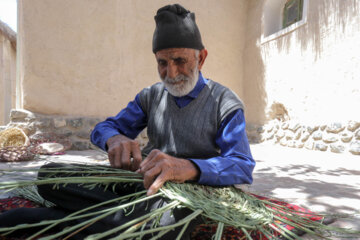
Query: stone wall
point(77, 129)
point(336, 137)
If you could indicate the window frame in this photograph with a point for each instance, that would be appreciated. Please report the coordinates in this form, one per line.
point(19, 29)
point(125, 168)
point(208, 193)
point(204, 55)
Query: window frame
point(265, 38)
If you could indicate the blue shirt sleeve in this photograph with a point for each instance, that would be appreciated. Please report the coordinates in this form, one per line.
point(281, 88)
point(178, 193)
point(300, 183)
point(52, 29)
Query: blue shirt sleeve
point(235, 164)
point(129, 122)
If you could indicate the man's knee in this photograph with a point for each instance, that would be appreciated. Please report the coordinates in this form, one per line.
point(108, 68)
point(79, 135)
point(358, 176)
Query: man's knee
point(45, 170)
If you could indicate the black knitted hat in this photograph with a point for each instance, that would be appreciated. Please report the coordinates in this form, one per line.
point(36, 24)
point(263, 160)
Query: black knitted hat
point(176, 28)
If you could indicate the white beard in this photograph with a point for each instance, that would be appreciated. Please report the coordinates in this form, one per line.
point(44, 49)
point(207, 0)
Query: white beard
point(184, 88)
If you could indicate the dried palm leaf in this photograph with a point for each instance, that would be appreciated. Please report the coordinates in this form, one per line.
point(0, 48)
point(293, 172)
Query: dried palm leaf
point(225, 206)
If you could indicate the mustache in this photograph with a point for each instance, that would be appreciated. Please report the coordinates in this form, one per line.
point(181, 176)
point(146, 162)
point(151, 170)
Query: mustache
point(178, 78)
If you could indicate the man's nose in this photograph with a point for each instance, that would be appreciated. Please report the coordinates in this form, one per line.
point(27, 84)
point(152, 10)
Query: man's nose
point(171, 70)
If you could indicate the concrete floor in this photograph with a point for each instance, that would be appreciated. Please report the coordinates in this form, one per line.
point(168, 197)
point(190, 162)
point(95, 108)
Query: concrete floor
point(321, 181)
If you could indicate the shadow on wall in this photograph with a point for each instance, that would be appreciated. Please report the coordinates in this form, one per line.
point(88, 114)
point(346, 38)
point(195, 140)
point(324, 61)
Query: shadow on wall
point(321, 15)
point(254, 85)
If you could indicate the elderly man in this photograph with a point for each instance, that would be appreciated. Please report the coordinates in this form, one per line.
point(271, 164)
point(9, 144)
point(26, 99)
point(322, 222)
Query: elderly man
point(196, 127)
point(196, 131)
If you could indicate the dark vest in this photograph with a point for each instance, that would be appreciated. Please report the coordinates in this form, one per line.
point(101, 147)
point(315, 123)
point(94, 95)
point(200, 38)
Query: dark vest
point(190, 131)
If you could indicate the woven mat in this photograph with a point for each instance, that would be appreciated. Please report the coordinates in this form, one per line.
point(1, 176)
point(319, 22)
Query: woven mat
point(15, 202)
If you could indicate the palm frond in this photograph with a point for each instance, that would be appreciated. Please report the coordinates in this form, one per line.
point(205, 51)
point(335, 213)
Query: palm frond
point(224, 206)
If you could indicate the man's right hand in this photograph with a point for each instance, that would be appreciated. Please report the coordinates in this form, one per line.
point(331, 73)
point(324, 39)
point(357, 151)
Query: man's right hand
point(124, 152)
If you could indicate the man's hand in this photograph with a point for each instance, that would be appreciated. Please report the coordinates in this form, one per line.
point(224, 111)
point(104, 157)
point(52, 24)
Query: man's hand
point(158, 167)
point(124, 152)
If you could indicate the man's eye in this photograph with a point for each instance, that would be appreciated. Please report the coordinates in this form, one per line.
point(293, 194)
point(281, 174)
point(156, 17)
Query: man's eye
point(179, 61)
point(162, 63)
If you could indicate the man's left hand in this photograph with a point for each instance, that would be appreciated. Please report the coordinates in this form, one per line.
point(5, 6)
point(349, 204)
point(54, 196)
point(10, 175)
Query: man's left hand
point(158, 167)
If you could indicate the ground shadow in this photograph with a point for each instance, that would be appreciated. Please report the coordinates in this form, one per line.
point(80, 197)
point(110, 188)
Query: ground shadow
point(268, 180)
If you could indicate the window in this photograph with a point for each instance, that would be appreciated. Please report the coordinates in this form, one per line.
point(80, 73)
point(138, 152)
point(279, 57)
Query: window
point(281, 17)
point(292, 12)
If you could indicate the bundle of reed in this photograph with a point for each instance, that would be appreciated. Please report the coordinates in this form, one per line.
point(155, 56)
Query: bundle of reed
point(225, 206)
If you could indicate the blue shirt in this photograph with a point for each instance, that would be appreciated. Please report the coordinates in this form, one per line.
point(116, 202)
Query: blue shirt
point(235, 163)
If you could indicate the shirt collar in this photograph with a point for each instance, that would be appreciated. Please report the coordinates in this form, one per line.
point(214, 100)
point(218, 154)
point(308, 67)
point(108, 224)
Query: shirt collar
point(198, 87)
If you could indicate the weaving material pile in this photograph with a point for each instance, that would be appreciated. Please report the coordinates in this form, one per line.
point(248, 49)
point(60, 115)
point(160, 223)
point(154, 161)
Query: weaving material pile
point(13, 137)
point(225, 207)
point(16, 146)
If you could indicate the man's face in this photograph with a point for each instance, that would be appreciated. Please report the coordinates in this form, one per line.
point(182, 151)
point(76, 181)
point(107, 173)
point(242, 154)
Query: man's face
point(178, 69)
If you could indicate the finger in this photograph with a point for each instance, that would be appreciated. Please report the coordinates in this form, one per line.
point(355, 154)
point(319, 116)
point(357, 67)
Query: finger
point(125, 158)
point(137, 158)
point(150, 176)
point(152, 160)
point(157, 184)
point(151, 155)
point(150, 165)
point(114, 157)
point(111, 156)
point(117, 159)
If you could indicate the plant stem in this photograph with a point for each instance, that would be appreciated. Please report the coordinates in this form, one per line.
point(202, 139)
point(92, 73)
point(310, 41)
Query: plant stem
point(113, 210)
point(150, 215)
point(179, 223)
point(219, 231)
point(182, 231)
point(287, 231)
point(246, 233)
point(67, 218)
point(8, 186)
point(281, 232)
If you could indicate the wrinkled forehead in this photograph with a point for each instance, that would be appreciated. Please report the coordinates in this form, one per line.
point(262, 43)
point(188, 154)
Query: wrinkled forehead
point(171, 53)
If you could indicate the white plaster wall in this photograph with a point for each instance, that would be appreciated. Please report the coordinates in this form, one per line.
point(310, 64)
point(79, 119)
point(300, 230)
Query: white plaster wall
point(90, 57)
point(7, 78)
point(271, 15)
point(314, 70)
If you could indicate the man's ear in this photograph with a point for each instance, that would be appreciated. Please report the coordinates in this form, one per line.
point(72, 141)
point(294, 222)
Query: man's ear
point(202, 56)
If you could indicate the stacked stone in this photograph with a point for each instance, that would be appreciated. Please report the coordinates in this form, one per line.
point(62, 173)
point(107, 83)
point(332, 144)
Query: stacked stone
point(77, 129)
point(335, 137)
